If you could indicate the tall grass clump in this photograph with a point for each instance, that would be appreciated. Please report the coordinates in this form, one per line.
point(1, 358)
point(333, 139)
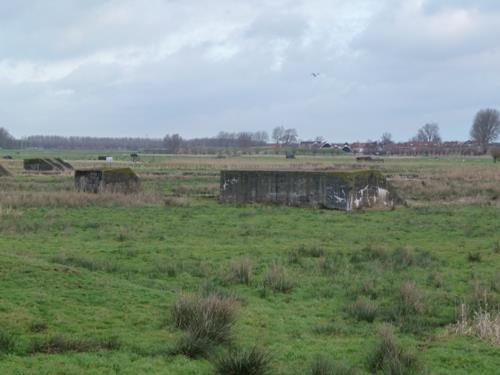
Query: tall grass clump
point(363, 309)
point(389, 357)
point(207, 321)
point(243, 362)
point(277, 279)
point(241, 270)
point(324, 366)
point(410, 299)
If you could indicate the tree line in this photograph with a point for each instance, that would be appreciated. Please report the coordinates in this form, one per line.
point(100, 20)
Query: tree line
point(484, 130)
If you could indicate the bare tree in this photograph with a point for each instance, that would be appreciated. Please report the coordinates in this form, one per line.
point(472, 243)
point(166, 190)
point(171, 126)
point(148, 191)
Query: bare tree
point(278, 134)
point(289, 136)
point(244, 139)
point(486, 127)
point(386, 139)
point(261, 137)
point(173, 143)
point(428, 133)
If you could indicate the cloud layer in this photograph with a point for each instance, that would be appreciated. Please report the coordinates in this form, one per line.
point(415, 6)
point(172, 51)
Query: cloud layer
point(129, 67)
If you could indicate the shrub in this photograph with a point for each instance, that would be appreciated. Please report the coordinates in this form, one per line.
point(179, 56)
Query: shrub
point(391, 358)
point(363, 309)
point(208, 317)
point(241, 270)
point(277, 279)
point(243, 362)
point(7, 342)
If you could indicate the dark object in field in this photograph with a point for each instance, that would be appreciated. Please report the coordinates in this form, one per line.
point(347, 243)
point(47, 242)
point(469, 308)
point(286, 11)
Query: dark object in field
point(46, 165)
point(134, 156)
point(369, 159)
point(110, 180)
point(495, 153)
point(290, 155)
point(101, 157)
point(220, 156)
point(7, 157)
point(4, 172)
point(342, 190)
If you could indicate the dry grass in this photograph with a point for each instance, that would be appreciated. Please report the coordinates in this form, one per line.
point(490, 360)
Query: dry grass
point(76, 199)
point(241, 270)
point(483, 323)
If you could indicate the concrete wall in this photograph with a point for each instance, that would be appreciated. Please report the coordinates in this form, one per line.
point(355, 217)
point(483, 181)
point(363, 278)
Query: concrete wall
point(341, 190)
point(110, 180)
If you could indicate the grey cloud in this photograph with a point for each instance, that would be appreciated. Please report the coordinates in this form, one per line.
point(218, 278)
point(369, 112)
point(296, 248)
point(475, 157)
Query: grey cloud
point(135, 68)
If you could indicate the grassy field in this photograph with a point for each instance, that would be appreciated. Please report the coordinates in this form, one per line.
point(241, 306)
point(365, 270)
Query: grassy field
point(93, 284)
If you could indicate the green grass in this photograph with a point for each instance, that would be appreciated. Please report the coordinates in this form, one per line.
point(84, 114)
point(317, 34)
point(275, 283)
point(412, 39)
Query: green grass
point(89, 289)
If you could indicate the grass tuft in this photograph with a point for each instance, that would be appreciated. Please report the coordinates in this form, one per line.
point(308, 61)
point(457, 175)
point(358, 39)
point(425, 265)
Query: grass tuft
point(277, 279)
point(389, 357)
point(363, 309)
point(241, 270)
point(243, 362)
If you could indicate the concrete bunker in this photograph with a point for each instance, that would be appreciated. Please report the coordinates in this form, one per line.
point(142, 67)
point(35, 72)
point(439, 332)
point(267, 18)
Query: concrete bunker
point(110, 180)
point(342, 190)
point(46, 165)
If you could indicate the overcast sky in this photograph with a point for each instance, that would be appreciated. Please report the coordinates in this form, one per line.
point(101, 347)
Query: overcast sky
point(194, 67)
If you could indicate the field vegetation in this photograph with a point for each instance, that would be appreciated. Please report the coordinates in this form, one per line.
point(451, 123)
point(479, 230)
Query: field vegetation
point(169, 281)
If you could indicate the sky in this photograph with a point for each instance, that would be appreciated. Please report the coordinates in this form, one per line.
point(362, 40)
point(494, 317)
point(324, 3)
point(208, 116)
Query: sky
point(154, 67)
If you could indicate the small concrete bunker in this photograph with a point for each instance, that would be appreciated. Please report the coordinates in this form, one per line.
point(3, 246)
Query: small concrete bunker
point(46, 165)
point(109, 180)
point(342, 190)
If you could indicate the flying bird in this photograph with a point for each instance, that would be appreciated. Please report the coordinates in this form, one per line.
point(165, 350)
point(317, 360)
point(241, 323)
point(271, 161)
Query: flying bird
point(315, 75)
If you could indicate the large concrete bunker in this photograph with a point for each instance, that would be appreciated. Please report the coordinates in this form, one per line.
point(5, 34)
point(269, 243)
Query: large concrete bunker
point(110, 180)
point(343, 190)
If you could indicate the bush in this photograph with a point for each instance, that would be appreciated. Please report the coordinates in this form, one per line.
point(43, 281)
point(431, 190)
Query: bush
point(241, 270)
point(7, 342)
point(277, 279)
point(363, 309)
point(390, 358)
point(243, 362)
point(209, 318)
